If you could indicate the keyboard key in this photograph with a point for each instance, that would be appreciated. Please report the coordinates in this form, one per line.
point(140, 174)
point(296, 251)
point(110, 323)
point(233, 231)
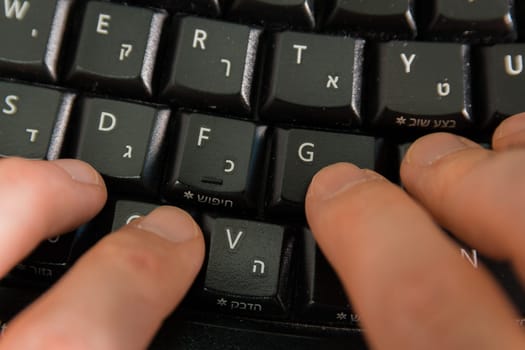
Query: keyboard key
point(500, 81)
point(314, 79)
point(31, 33)
point(113, 55)
point(378, 18)
point(124, 142)
point(300, 154)
point(421, 87)
point(248, 267)
point(296, 13)
point(127, 211)
point(485, 19)
point(47, 263)
point(219, 163)
point(212, 65)
point(32, 120)
point(211, 8)
point(325, 300)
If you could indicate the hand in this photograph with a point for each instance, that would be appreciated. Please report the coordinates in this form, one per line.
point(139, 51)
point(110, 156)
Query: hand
point(116, 295)
point(403, 274)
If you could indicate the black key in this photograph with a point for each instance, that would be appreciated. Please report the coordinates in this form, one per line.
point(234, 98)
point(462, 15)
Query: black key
point(113, 55)
point(31, 34)
point(218, 163)
point(47, 263)
point(501, 82)
point(325, 300)
point(378, 18)
point(32, 120)
point(127, 211)
point(212, 8)
point(297, 13)
point(485, 19)
point(421, 87)
point(314, 79)
point(248, 267)
point(299, 154)
point(212, 65)
point(123, 141)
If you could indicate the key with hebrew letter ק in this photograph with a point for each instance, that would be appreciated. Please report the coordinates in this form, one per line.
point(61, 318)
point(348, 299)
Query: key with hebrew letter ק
point(117, 48)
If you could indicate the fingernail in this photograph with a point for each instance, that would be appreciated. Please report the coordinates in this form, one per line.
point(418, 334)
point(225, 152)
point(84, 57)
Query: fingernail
point(510, 126)
point(337, 178)
point(170, 223)
point(79, 171)
point(429, 149)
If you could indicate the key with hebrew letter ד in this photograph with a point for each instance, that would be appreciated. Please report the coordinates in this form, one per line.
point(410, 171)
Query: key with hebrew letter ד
point(117, 49)
point(33, 120)
point(31, 33)
point(124, 142)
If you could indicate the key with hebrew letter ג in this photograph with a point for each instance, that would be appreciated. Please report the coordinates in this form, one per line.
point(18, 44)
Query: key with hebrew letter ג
point(116, 49)
point(218, 163)
point(123, 141)
point(31, 33)
point(32, 120)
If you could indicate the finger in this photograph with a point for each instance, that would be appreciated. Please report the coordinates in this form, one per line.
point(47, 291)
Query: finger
point(510, 133)
point(475, 193)
point(41, 199)
point(404, 277)
point(118, 294)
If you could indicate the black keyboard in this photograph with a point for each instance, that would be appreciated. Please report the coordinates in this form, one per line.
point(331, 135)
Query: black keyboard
point(227, 108)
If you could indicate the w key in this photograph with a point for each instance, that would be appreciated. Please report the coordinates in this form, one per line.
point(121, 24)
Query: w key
point(421, 87)
point(31, 34)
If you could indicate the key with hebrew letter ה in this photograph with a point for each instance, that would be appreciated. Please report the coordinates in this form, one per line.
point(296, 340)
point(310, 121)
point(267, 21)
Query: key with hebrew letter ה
point(248, 267)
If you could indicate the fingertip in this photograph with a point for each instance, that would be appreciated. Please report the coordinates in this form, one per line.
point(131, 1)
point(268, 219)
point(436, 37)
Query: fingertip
point(79, 171)
point(510, 133)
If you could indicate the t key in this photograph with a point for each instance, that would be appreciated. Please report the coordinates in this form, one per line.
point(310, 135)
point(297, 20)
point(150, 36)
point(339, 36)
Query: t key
point(123, 141)
point(421, 86)
point(31, 34)
point(212, 65)
point(117, 48)
point(32, 120)
point(314, 79)
point(218, 162)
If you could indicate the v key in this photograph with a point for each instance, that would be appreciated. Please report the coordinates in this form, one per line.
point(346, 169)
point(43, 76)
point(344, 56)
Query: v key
point(232, 242)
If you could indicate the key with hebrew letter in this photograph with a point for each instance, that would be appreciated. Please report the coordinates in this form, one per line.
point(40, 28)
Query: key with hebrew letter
point(117, 49)
point(123, 141)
